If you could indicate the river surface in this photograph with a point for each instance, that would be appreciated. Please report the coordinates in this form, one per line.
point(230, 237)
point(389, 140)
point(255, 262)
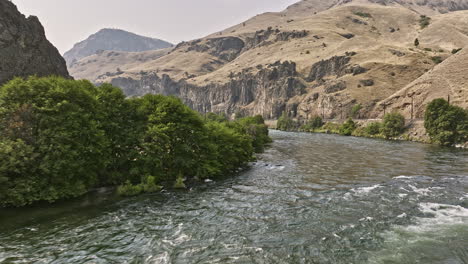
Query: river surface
point(310, 198)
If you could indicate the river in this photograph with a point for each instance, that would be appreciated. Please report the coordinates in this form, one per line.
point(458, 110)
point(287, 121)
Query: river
point(310, 198)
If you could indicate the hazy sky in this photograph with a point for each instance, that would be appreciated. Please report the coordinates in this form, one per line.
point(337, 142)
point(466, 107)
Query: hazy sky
point(69, 21)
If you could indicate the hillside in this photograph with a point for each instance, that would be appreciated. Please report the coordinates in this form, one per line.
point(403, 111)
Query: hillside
point(24, 48)
point(314, 58)
point(114, 40)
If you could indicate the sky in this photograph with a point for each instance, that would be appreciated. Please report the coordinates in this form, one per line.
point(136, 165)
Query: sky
point(67, 22)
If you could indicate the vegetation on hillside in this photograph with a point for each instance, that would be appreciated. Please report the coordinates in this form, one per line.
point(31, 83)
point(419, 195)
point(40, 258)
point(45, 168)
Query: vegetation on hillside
point(424, 21)
point(60, 138)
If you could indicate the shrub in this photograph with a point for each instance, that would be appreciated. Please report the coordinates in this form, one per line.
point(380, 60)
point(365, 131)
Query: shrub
point(373, 128)
point(363, 14)
point(437, 59)
point(416, 43)
point(347, 128)
point(424, 21)
point(446, 124)
point(393, 125)
point(315, 123)
point(285, 123)
point(427, 49)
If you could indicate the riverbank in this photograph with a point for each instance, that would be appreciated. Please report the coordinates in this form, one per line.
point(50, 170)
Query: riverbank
point(414, 130)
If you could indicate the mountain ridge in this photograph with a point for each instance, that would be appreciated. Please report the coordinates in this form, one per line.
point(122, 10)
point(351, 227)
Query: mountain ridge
point(111, 39)
point(306, 61)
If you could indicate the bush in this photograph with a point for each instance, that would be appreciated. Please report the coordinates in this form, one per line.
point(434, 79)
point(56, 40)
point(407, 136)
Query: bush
point(416, 43)
point(455, 51)
point(393, 125)
point(424, 21)
point(446, 124)
point(363, 14)
point(373, 128)
point(285, 123)
point(347, 128)
point(315, 123)
point(437, 59)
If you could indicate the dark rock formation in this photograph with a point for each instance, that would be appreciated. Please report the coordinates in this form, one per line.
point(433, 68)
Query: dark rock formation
point(335, 87)
point(397, 53)
point(367, 82)
point(24, 49)
point(270, 88)
point(335, 66)
point(226, 48)
point(113, 39)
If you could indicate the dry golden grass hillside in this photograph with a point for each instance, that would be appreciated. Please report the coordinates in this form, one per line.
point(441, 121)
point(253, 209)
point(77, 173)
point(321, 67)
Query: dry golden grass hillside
point(340, 53)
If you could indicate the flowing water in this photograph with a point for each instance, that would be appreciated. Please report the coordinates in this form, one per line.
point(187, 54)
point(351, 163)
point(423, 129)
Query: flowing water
point(310, 198)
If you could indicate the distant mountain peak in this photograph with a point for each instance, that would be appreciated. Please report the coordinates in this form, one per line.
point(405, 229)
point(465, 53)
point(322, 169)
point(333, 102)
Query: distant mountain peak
point(113, 39)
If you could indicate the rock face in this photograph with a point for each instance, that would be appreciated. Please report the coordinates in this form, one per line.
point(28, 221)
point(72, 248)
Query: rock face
point(266, 92)
point(115, 40)
point(24, 49)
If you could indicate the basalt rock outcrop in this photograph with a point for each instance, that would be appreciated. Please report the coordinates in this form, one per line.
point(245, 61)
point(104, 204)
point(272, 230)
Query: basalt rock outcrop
point(24, 48)
point(266, 92)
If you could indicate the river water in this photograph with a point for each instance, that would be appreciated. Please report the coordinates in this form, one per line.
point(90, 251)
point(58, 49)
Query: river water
point(311, 198)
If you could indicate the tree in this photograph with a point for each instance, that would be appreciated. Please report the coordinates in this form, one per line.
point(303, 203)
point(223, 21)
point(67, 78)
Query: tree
point(52, 123)
point(446, 124)
point(393, 125)
point(348, 127)
point(416, 42)
point(285, 123)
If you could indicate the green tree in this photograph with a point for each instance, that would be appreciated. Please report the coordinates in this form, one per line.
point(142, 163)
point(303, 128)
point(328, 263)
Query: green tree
point(53, 123)
point(393, 125)
point(285, 123)
point(347, 128)
point(446, 124)
point(373, 128)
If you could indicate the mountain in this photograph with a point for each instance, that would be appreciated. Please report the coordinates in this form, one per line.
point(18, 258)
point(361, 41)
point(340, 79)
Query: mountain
point(315, 58)
point(115, 40)
point(24, 48)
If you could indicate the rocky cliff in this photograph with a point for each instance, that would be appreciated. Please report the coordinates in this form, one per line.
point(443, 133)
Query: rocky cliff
point(113, 40)
point(315, 58)
point(24, 49)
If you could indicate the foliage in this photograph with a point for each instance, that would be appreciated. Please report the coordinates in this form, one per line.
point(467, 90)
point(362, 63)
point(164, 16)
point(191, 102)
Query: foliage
point(355, 110)
point(315, 123)
point(446, 124)
point(347, 128)
point(424, 21)
point(54, 124)
point(363, 14)
point(416, 42)
point(373, 128)
point(437, 59)
point(60, 138)
point(393, 125)
point(331, 127)
point(285, 123)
